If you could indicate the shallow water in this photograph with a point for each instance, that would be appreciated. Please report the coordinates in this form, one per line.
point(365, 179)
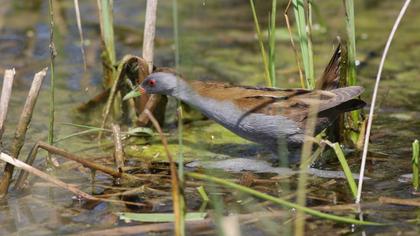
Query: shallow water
point(217, 42)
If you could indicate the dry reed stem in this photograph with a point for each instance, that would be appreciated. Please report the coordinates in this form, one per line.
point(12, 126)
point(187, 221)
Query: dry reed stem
point(20, 164)
point(398, 201)
point(148, 53)
point(6, 92)
point(149, 33)
point(51, 179)
point(120, 75)
point(151, 105)
point(61, 152)
point(176, 191)
point(21, 129)
point(118, 151)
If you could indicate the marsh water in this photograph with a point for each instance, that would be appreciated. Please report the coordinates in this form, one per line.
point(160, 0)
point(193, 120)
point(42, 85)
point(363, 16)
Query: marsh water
point(216, 42)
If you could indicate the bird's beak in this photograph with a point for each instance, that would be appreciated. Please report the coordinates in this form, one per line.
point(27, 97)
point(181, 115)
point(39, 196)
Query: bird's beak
point(138, 91)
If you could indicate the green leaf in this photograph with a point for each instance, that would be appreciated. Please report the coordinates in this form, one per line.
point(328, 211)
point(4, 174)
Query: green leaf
point(140, 130)
point(159, 217)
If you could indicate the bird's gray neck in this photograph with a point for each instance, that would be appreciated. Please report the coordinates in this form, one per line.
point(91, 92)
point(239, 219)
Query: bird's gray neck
point(210, 107)
point(185, 93)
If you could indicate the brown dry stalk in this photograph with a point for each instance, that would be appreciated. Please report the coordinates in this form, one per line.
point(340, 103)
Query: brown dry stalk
point(61, 152)
point(51, 179)
point(6, 93)
point(176, 193)
point(149, 33)
point(398, 201)
point(154, 101)
point(118, 151)
point(21, 129)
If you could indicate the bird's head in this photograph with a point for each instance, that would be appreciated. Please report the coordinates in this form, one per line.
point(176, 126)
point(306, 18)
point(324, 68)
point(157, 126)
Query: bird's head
point(164, 83)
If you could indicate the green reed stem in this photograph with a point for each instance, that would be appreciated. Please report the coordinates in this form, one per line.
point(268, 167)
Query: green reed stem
point(261, 44)
point(53, 54)
point(310, 50)
point(306, 50)
point(272, 44)
point(106, 21)
point(351, 68)
point(279, 201)
point(180, 122)
point(351, 42)
point(416, 164)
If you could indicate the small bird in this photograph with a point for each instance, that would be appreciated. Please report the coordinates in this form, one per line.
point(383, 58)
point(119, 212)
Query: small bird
point(273, 117)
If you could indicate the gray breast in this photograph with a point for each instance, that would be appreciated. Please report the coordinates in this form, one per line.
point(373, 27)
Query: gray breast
point(256, 127)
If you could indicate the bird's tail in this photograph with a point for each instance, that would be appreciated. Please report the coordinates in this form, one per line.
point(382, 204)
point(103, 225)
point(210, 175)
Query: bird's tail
point(331, 77)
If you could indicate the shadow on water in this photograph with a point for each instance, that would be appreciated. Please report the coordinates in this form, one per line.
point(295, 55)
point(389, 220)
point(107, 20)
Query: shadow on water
point(217, 42)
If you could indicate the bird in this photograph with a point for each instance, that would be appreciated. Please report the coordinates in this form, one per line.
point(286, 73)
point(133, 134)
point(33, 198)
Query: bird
point(273, 117)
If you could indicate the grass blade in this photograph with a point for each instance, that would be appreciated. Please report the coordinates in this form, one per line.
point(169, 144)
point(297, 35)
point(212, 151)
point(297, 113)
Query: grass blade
point(307, 54)
point(280, 201)
point(272, 44)
point(345, 166)
point(261, 44)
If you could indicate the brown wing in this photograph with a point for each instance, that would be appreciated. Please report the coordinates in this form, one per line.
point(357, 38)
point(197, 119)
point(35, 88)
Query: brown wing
point(295, 104)
point(291, 103)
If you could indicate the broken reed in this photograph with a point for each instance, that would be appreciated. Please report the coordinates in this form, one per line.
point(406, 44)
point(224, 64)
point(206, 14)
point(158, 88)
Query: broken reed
point(22, 127)
point(416, 164)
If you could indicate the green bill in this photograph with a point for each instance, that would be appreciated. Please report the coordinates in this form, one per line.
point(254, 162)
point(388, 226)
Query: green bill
point(134, 93)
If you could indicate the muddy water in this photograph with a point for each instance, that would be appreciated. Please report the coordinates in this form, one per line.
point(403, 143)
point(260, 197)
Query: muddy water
point(217, 42)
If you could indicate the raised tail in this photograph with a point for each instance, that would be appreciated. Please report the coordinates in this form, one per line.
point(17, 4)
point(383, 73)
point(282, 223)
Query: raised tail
point(331, 77)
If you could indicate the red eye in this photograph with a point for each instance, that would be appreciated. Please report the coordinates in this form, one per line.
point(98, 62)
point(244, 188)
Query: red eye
point(152, 82)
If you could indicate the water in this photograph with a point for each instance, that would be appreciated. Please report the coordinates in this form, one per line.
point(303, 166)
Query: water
point(217, 42)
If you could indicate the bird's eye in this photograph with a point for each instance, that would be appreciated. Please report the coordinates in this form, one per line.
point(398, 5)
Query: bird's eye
point(152, 82)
